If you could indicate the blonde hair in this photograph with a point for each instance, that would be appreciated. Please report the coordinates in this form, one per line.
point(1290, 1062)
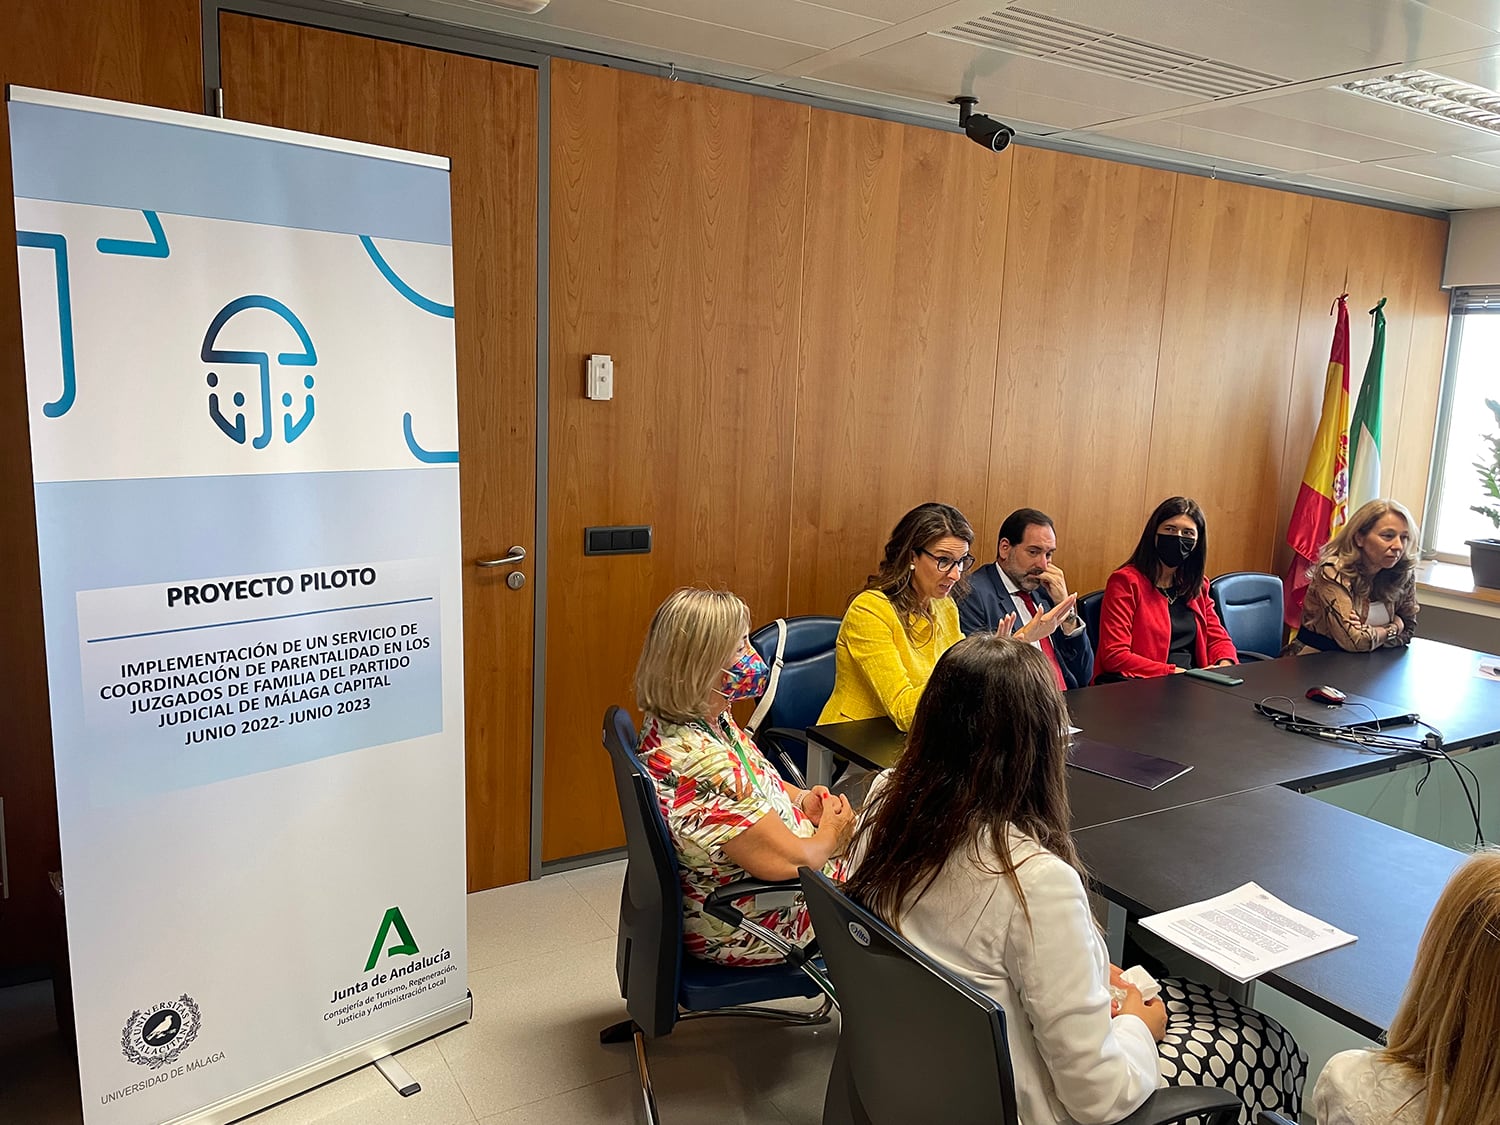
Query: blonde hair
point(1343, 554)
point(693, 636)
point(1449, 1021)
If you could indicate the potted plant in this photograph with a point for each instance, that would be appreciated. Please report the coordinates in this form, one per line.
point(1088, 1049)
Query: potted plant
point(1484, 554)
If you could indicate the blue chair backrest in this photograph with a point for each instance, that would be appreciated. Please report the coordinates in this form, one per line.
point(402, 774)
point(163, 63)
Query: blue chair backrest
point(917, 1038)
point(807, 661)
point(1088, 609)
point(648, 950)
point(1250, 606)
point(806, 681)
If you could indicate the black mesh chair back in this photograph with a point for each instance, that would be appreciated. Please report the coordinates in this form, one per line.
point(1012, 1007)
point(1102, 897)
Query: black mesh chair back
point(915, 1043)
point(648, 951)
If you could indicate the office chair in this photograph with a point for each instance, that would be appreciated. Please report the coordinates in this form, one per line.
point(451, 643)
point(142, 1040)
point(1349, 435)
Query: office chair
point(1271, 1117)
point(1249, 605)
point(796, 694)
point(659, 983)
point(1088, 609)
point(918, 1044)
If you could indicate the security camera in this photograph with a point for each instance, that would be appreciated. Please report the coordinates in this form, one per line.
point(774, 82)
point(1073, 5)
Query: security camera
point(982, 130)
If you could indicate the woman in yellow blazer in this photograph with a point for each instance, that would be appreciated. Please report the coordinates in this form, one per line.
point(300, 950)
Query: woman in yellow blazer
point(905, 618)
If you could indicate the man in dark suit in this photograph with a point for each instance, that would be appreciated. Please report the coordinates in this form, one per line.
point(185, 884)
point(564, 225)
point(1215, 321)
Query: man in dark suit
point(1024, 581)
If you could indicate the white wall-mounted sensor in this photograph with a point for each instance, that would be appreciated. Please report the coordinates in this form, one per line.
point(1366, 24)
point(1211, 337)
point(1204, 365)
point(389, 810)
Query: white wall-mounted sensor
point(599, 378)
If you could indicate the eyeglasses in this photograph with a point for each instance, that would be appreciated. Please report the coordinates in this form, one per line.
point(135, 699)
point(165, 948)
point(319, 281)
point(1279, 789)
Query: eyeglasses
point(945, 564)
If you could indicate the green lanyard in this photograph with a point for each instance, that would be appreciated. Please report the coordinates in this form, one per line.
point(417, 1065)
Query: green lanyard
point(734, 745)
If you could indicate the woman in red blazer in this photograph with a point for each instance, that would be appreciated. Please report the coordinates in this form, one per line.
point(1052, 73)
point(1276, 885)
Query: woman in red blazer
point(1156, 616)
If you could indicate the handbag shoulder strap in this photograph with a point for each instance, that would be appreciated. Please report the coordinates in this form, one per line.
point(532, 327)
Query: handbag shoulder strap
point(763, 708)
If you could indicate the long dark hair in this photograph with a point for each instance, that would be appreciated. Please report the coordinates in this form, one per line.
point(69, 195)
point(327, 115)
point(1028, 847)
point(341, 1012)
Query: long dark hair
point(987, 753)
point(1188, 581)
point(924, 524)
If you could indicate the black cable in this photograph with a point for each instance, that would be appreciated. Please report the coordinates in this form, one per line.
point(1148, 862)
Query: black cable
point(1372, 738)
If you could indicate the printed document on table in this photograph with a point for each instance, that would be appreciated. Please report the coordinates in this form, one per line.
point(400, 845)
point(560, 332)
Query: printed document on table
point(1246, 933)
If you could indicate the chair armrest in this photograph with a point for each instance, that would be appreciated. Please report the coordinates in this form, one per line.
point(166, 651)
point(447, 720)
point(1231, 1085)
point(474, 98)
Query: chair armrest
point(777, 737)
point(720, 904)
point(1246, 654)
point(1178, 1103)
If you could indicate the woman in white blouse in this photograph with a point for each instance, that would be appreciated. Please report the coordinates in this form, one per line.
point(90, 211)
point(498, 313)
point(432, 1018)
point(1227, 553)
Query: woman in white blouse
point(1440, 1065)
point(965, 849)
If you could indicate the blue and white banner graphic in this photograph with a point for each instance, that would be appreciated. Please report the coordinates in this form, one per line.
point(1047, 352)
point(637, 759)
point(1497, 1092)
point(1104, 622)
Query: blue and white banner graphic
point(240, 374)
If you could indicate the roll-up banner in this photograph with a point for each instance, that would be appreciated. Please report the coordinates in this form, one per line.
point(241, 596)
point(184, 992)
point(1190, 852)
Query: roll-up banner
point(240, 376)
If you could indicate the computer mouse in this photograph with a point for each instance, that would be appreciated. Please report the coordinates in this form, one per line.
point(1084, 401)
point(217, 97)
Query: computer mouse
point(1325, 694)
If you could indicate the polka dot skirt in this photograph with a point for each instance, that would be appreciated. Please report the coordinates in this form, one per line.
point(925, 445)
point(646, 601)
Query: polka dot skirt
point(1213, 1041)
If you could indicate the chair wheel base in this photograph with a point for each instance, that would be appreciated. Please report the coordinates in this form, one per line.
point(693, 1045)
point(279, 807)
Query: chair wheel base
point(622, 1032)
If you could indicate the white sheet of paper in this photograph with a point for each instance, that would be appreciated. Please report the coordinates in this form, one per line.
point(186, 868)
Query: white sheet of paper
point(1246, 933)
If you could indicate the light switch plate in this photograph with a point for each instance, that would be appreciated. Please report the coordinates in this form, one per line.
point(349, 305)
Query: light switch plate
point(599, 378)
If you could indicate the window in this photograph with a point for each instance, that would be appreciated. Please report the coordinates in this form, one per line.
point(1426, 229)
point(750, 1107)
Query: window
point(1472, 374)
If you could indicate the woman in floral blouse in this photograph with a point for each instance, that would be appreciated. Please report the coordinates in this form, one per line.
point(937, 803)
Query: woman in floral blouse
point(730, 814)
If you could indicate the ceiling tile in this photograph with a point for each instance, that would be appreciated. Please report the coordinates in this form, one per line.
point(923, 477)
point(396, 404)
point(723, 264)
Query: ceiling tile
point(1352, 113)
point(1247, 120)
point(1108, 145)
point(1246, 150)
point(1298, 39)
point(1457, 170)
point(892, 11)
point(1484, 13)
point(616, 28)
point(779, 19)
point(1442, 192)
point(934, 69)
point(1326, 182)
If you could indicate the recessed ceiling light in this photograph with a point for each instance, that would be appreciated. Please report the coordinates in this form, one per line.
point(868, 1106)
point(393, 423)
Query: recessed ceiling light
point(1435, 95)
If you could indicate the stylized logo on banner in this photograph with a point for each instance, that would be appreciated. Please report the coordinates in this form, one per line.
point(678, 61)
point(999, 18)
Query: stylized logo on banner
point(392, 920)
point(157, 1036)
point(307, 357)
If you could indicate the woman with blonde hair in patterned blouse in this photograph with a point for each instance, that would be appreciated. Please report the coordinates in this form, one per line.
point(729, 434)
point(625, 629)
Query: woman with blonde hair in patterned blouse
point(728, 810)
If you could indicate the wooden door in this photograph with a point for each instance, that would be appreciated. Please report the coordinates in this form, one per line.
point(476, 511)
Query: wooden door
point(134, 50)
point(483, 116)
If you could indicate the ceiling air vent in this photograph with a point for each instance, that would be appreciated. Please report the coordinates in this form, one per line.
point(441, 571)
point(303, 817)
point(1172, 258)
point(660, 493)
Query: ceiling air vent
point(1023, 32)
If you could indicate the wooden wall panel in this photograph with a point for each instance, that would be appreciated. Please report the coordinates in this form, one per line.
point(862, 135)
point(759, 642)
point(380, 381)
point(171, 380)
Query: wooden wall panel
point(677, 249)
point(1411, 413)
point(899, 331)
point(1374, 253)
point(1234, 290)
point(1080, 333)
point(483, 115)
point(131, 50)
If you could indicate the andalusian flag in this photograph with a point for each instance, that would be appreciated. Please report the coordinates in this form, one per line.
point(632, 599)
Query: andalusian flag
point(1364, 427)
point(1319, 510)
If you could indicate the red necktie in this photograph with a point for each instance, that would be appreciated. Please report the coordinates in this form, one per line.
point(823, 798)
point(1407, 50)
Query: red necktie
point(1046, 643)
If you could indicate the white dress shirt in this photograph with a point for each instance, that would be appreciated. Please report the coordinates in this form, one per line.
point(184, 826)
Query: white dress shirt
point(1362, 1088)
point(1073, 1064)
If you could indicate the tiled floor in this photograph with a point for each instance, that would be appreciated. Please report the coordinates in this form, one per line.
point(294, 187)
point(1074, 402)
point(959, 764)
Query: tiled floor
point(541, 968)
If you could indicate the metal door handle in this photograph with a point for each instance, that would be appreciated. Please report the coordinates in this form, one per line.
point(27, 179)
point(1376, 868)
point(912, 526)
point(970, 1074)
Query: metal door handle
point(517, 555)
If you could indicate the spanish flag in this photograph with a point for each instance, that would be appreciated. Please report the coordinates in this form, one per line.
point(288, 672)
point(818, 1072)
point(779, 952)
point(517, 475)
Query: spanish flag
point(1320, 509)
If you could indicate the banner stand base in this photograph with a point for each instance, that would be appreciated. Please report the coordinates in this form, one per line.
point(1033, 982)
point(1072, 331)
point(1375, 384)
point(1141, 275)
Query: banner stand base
point(299, 1081)
point(396, 1074)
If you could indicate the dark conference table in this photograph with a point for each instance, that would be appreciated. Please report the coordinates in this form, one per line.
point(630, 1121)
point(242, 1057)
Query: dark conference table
point(1237, 815)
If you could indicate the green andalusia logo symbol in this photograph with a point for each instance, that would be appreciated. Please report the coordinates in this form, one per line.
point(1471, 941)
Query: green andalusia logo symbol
point(392, 921)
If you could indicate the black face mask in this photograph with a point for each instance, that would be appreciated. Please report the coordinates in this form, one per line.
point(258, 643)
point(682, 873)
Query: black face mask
point(1174, 550)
